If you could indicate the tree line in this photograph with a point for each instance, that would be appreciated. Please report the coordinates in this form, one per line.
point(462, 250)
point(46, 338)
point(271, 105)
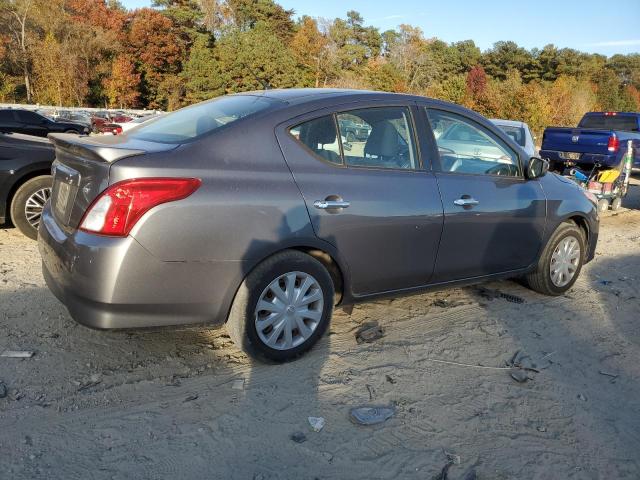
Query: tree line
point(97, 53)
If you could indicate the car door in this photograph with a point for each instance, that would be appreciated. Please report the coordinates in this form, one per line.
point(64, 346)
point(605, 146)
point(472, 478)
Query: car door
point(31, 123)
point(494, 218)
point(371, 197)
point(8, 121)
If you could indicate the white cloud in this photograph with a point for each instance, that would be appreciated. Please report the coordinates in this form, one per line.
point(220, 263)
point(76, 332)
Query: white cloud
point(615, 43)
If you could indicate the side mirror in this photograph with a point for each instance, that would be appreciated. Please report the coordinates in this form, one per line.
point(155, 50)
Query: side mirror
point(536, 168)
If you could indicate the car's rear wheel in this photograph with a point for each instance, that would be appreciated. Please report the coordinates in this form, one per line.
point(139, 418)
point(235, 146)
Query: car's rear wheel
point(71, 131)
point(561, 261)
point(27, 204)
point(616, 203)
point(283, 307)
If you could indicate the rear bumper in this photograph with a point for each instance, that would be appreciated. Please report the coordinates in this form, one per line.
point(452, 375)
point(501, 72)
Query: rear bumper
point(585, 158)
point(113, 283)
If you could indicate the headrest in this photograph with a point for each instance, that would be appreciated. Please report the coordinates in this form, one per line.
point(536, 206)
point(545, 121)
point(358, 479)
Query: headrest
point(321, 131)
point(383, 140)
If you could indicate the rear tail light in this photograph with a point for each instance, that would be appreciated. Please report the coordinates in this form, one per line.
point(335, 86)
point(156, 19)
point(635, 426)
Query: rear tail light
point(614, 144)
point(117, 130)
point(116, 210)
point(610, 114)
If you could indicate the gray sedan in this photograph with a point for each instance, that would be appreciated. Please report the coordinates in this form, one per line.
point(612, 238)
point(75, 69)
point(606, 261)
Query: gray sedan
point(250, 210)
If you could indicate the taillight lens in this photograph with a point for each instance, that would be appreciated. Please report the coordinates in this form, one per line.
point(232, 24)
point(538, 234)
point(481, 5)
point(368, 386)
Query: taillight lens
point(614, 144)
point(116, 210)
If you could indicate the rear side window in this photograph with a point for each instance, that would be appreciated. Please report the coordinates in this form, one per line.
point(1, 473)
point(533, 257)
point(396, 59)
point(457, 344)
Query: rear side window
point(320, 136)
point(191, 122)
point(610, 122)
point(378, 137)
point(28, 117)
point(6, 115)
point(516, 133)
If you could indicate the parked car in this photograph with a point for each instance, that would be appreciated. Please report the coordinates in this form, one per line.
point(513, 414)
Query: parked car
point(109, 128)
point(520, 133)
point(25, 180)
point(98, 119)
point(75, 117)
point(353, 131)
point(32, 123)
point(206, 216)
point(135, 122)
point(600, 138)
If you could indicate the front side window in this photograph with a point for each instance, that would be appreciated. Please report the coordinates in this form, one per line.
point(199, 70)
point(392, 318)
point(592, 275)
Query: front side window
point(378, 137)
point(320, 136)
point(467, 147)
point(194, 121)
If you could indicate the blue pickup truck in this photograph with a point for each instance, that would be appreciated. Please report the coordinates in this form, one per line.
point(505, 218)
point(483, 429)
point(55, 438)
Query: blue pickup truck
point(600, 138)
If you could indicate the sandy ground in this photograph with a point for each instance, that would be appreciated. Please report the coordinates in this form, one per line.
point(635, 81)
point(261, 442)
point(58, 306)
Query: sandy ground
point(185, 404)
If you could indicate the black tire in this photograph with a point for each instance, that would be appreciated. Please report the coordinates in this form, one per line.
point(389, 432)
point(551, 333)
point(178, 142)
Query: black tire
point(241, 322)
point(616, 203)
point(19, 203)
point(71, 131)
point(540, 278)
point(603, 205)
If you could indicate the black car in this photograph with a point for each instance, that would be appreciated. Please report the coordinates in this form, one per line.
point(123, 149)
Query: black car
point(25, 180)
point(354, 132)
point(32, 123)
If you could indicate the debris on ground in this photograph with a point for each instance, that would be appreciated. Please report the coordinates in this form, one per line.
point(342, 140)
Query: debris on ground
point(371, 390)
point(390, 379)
point(582, 397)
point(369, 332)
point(491, 294)
point(519, 375)
point(605, 282)
point(317, 423)
point(451, 460)
point(613, 376)
point(17, 354)
point(190, 398)
point(93, 380)
point(3, 390)
point(238, 384)
point(298, 437)
point(371, 415)
point(521, 364)
point(443, 303)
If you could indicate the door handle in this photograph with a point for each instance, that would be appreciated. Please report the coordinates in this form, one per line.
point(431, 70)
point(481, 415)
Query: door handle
point(327, 204)
point(466, 202)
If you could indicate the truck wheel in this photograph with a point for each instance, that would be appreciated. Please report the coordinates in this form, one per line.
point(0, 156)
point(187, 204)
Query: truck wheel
point(28, 202)
point(282, 308)
point(603, 205)
point(616, 203)
point(561, 261)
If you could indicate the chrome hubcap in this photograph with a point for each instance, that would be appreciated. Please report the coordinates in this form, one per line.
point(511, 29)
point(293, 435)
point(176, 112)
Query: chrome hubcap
point(565, 261)
point(34, 205)
point(289, 310)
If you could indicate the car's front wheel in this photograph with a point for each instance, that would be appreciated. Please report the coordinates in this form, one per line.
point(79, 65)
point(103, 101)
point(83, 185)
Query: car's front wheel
point(283, 307)
point(561, 261)
point(28, 202)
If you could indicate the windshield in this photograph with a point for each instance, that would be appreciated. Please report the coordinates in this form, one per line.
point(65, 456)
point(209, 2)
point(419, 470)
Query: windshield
point(191, 122)
point(516, 133)
point(627, 123)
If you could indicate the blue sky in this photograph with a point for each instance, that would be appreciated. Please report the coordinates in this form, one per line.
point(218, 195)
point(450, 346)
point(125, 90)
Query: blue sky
point(587, 25)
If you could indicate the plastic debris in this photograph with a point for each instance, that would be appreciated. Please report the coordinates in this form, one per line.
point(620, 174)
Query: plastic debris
point(390, 379)
point(369, 332)
point(17, 354)
point(3, 390)
point(317, 423)
point(519, 375)
point(298, 437)
point(582, 397)
point(371, 415)
point(238, 384)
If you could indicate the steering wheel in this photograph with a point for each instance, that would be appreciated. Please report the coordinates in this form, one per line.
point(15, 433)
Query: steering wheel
point(502, 169)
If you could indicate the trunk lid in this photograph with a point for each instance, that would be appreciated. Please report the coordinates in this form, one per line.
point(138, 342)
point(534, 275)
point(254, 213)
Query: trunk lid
point(81, 170)
point(578, 140)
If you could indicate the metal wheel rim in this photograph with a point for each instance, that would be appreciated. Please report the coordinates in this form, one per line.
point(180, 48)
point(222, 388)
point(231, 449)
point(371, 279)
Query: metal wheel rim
point(34, 205)
point(289, 310)
point(565, 261)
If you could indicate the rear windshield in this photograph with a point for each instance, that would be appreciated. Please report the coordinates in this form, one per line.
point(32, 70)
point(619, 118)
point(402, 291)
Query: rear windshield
point(627, 123)
point(516, 133)
point(194, 121)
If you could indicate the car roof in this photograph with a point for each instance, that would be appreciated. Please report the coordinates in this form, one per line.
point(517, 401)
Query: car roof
point(510, 123)
point(298, 96)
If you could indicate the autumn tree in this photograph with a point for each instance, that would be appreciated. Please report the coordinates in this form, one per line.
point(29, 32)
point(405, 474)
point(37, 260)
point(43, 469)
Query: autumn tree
point(311, 49)
point(121, 86)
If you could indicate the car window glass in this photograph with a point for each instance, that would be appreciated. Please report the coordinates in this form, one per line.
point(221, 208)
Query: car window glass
point(28, 117)
point(517, 134)
point(378, 137)
point(6, 116)
point(319, 136)
point(466, 147)
point(610, 122)
point(197, 120)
